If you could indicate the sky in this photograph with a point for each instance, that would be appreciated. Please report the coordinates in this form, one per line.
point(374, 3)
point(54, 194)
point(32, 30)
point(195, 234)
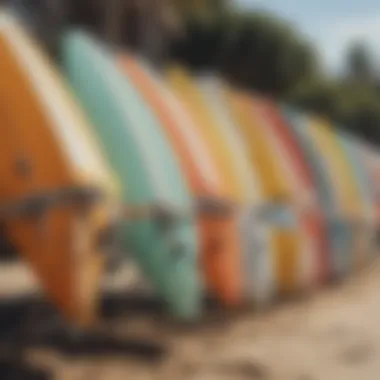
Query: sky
point(330, 24)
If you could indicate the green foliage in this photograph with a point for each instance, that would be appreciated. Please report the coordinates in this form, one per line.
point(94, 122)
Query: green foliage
point(267, 55)
point(355, 106)
point(254, 50)
point(352, 101)
point(360, 63)
point(202, 43)
point(316, 95)
point(200, 9)
point(359, 110)
point(260, 52)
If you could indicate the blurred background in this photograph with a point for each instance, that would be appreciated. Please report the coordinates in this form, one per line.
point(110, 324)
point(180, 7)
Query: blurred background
point(320, 56)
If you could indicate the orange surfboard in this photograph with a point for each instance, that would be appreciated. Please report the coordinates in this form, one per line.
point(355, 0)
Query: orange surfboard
point(57, 192)
point(218, 235)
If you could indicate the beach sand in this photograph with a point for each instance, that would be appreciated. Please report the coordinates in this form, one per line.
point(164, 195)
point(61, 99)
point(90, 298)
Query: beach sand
point(332, 335)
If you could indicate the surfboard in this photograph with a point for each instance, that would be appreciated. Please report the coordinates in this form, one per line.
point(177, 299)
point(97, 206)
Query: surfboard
point(303, 188)
point(259, 269)
point(337, 227)
point(165, 244)
point(341, 175)
point(372, 163)
point(279, 213)
point(366, 223)
point(58, 194)
point(367, 155)
point(372, 159)
point(182, 85)
point(218, 238)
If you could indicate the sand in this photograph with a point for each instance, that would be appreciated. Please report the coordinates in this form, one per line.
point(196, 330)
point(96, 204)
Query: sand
point(332, 335)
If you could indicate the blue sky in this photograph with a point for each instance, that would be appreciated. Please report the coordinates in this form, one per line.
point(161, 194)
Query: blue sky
point(330, 24)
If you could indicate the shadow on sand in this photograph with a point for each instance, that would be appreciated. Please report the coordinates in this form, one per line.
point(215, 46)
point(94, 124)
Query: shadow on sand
point(29, 323)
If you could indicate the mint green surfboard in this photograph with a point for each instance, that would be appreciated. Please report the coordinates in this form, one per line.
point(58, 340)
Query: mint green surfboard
point(166, 248)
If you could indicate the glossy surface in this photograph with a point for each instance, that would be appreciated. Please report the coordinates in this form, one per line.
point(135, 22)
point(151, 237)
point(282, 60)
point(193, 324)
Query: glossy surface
point(182, 85)
point(259, 276)
point(148, 170)
point(370, 160)
point(47, 146)
point(348, 206)
point(338, 229)
point(218, 238)
point(287, 241)
point(366, 223)
point(303, 189)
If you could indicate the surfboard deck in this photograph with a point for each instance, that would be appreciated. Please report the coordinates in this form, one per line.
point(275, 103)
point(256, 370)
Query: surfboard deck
point(366, 222)
point(304, 191)
point(349, 200)
point(256, 236)
point(52, 173)
point(277, 211)
point(218, 239)
point(337, 228)
point(180, 83)
point(166, 248)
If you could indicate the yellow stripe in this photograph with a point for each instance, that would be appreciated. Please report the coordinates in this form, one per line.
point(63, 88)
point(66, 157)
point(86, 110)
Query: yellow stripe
point(341, 172)
point(184, 85)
